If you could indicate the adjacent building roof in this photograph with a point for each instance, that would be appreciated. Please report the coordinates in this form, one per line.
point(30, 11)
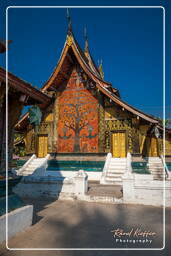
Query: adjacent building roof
point(33, 95)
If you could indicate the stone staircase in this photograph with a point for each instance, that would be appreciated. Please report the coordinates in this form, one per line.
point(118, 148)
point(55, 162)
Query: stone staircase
point(156, 168)
point(116, 169)
point(35, 167)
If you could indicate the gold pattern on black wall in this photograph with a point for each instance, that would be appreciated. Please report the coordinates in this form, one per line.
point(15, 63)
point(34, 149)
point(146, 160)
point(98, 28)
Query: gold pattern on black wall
point(114, 125)
point(101, 124)
point(107, 141)
point(30, 140)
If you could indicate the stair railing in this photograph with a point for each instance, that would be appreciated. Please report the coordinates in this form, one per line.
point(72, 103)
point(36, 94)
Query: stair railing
point(128, 163)
point(20, 171)
point(44, 163)
point(106, 167)
point(107, 162)
point(168, 176)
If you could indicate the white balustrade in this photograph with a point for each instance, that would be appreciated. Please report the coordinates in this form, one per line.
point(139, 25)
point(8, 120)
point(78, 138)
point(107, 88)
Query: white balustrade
point(128, 163)
point(168, 174)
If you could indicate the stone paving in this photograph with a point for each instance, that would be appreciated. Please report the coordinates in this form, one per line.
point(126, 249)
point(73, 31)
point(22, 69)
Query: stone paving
point(68, 224)
point(97, 189)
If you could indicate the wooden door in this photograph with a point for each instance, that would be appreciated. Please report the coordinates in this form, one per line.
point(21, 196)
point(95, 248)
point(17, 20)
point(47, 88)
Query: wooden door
point(153, 147)
point(42, 145)
point(119, 144)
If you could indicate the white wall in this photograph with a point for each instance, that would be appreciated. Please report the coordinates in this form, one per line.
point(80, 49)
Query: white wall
point(18, 220)
point(70, 174)
point(48, 186)
point(142, 189)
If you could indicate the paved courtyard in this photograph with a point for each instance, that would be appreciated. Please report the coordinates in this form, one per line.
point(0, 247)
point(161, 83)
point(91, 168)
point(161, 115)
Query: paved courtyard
point(75, 224)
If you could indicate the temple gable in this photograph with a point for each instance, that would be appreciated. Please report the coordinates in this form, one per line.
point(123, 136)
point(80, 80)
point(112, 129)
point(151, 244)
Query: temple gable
point(78, 116)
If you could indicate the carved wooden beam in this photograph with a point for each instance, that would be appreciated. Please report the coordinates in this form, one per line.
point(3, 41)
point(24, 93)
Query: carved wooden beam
point(23, 98)
point(64, 74)
point(70, 58)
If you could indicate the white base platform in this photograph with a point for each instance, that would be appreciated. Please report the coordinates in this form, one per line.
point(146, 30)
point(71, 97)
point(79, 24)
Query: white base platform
point(18, 220)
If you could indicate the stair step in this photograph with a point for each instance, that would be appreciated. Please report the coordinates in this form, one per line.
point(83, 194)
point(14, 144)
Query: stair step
point(156, 171)
point(113, 179)
point(116, 171)
point(155, 167)
point(118, 160)
point(155, 162)
point(159, 175)
point(122, 170)
point(117, 166)
point(34, 165)
point(27, 171)
point(152, 158)
point(30, 168)
point(117, 163)
point(113, 182)
point(113, 175)
point(159, 164)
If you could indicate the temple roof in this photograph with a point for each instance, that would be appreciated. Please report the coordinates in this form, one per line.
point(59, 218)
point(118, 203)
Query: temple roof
point(71, 47)
point(72, 52)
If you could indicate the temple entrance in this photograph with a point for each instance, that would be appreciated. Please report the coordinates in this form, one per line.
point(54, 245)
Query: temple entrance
point(119, 144)
point(42, 144)
point(153, 147)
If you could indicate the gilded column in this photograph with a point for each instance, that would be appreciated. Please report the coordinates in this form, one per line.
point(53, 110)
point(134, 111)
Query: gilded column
point(101, 125)
point(56, 117)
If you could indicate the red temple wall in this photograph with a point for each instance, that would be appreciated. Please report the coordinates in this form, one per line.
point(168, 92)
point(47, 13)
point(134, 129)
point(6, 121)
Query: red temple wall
point(78, 117)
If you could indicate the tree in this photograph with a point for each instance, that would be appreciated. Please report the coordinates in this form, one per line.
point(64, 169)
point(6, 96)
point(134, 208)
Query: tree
point(164, 121)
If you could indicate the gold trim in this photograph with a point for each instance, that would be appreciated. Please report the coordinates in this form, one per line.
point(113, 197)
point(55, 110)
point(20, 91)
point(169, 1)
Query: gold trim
point(69, 40)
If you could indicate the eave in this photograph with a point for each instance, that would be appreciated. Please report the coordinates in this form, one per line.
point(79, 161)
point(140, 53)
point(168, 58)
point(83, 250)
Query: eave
point(23, 87)
point(128, 107)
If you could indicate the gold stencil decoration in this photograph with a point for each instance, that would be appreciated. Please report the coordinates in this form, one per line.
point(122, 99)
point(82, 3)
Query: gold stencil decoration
point(69, 40)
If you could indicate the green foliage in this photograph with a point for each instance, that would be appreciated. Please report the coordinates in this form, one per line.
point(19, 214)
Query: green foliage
point(163, 122)
point(19, 145)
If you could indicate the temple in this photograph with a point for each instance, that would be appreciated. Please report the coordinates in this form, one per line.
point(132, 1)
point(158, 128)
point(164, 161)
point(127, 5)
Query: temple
point(87, 115)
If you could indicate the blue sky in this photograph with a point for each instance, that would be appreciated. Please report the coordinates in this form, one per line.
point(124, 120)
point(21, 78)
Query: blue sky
point(129, 41)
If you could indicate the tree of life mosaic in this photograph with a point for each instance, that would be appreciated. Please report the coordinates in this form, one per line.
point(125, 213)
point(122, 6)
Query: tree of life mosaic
point(78, 118)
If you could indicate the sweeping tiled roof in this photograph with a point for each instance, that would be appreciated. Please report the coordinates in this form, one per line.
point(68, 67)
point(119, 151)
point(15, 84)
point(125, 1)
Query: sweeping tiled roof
point(72, 50)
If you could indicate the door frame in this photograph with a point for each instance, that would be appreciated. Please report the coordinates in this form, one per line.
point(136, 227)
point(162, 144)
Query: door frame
point(126, 140)
point(157, 146)
point(37, 141)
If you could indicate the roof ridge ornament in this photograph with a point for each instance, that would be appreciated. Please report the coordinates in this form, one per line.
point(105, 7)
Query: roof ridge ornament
point(86, 40)
point(69, 22)
point(101, 68)
point(69, 40)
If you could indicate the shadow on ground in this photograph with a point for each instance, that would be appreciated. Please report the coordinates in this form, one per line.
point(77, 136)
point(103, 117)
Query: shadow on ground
point(74, 224)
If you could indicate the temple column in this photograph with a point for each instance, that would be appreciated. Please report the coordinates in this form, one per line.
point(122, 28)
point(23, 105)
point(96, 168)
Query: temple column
point(14, 112)
point(101, 124)
point(55, 130)
point(2, 133)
